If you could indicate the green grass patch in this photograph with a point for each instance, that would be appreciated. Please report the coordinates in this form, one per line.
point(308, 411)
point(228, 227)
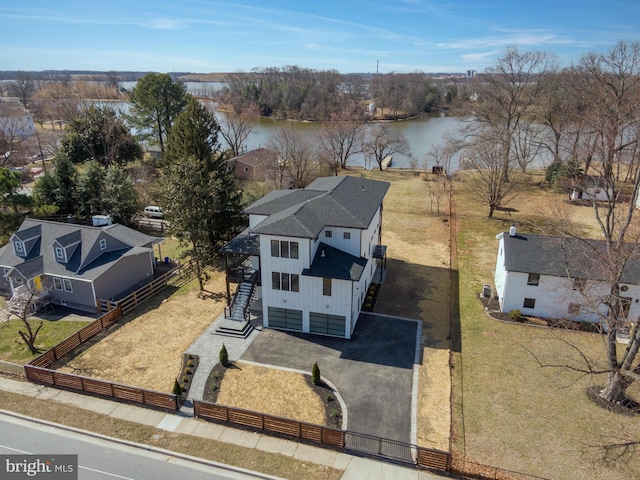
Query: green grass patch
point(13, 349)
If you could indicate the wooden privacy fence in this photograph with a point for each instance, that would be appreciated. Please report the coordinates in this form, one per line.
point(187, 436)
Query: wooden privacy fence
point(103, 388)
point(306, 431)
point(332, 437)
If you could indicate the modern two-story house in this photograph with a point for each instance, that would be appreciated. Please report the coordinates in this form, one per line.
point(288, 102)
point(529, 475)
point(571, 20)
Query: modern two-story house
point(315, 251)
point(560, 278)
point(74, 265)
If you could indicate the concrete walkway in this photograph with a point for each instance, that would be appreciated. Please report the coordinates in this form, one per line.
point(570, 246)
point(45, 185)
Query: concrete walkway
point(353, 467)
point(207, 346)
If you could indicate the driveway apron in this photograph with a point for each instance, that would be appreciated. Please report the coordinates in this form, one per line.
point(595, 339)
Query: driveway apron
point(373, 371)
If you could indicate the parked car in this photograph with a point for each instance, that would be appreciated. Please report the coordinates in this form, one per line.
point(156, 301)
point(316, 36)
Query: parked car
point(153, 211)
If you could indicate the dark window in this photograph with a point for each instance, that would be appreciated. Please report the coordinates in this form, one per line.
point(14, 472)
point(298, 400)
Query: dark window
point(275, 280)
point(625, 305)
point(328, 233)
point(284, 249)
point(533, 279)
point(289, 282)
point(346, 235)
point(529, 303)
point(574, 309)
point(326, 286)
point(579, 283)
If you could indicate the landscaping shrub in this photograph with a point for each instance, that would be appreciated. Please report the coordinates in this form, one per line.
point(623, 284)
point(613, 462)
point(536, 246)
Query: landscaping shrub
point(315, 374)
point(177, 389)
point(516, 315)
point(224, 356)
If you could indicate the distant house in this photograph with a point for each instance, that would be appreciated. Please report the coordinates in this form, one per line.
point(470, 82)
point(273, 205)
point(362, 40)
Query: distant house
point(557, 277)
point(15, 121)
point(592, 187)
point(314, 253)
point(74, 265)
point(252, 165)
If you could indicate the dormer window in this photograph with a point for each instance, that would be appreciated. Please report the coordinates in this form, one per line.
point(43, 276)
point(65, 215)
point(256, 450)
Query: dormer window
point(103, 244)
point(59, 253)
point(19, 247)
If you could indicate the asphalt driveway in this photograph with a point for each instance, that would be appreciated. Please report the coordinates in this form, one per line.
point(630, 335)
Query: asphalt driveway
point(373, 371)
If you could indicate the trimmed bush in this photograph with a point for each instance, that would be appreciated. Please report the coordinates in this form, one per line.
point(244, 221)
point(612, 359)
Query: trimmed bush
point(177, 389)
point(516, 315)
point(315, 374)
point(224, 356)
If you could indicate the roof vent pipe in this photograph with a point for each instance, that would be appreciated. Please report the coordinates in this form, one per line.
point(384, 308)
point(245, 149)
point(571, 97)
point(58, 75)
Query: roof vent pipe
point(512, 231)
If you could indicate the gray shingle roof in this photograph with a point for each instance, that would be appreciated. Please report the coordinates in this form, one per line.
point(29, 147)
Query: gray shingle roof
point(565, 256)
point(86, 261)
point(345, 201)
point(331, 262)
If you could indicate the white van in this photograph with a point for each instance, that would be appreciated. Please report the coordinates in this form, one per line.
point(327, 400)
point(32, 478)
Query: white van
point(153, 211)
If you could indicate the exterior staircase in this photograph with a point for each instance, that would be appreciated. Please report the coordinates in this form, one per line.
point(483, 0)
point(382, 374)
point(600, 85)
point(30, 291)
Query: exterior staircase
point(236, 321)
point(24, 298)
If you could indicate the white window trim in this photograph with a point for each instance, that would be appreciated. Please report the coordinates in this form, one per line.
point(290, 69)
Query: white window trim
point(59, 252)
point(68, 287)
point(57, 283)
point(19, 247)
point(103, 244)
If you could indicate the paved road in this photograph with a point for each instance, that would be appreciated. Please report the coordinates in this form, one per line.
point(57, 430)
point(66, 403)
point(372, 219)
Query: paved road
point(101, 459)
point(373, 371)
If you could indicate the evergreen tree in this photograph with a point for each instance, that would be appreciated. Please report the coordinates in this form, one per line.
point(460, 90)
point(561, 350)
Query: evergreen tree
point(202, 199)
point(156, 101)
point(120, 198)
point(59, 186)
point(90, 190)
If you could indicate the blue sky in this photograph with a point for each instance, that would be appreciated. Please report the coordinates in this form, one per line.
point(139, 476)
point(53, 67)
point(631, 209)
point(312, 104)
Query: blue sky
point(347, 35)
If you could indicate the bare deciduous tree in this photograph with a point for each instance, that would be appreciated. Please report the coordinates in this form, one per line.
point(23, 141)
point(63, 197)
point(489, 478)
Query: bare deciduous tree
point(381, 142)
point(296, 158)
point(487, 177)
point(235, 128)
point(339, 140)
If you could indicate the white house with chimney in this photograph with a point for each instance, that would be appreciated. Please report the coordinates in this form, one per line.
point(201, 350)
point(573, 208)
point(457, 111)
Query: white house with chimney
point(314, 252)
point(559, 278)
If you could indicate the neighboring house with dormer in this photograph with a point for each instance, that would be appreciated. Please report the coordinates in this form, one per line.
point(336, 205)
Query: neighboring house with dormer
point(560, 278)
point(315, 252)
point(74, 265)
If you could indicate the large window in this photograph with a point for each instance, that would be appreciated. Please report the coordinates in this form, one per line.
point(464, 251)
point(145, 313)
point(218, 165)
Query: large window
point(57, 283)
point(533, 279)
point(284, 249)
point(529, 303)
point(67, 285)
point(289, 282)
point(326, 286)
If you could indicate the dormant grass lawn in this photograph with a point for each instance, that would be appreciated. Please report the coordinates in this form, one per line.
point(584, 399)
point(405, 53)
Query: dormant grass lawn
point(270, 463)
point(508, 411)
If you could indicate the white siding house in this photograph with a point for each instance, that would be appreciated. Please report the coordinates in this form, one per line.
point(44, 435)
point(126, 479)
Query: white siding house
point(314, 249)
point(560, 278)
